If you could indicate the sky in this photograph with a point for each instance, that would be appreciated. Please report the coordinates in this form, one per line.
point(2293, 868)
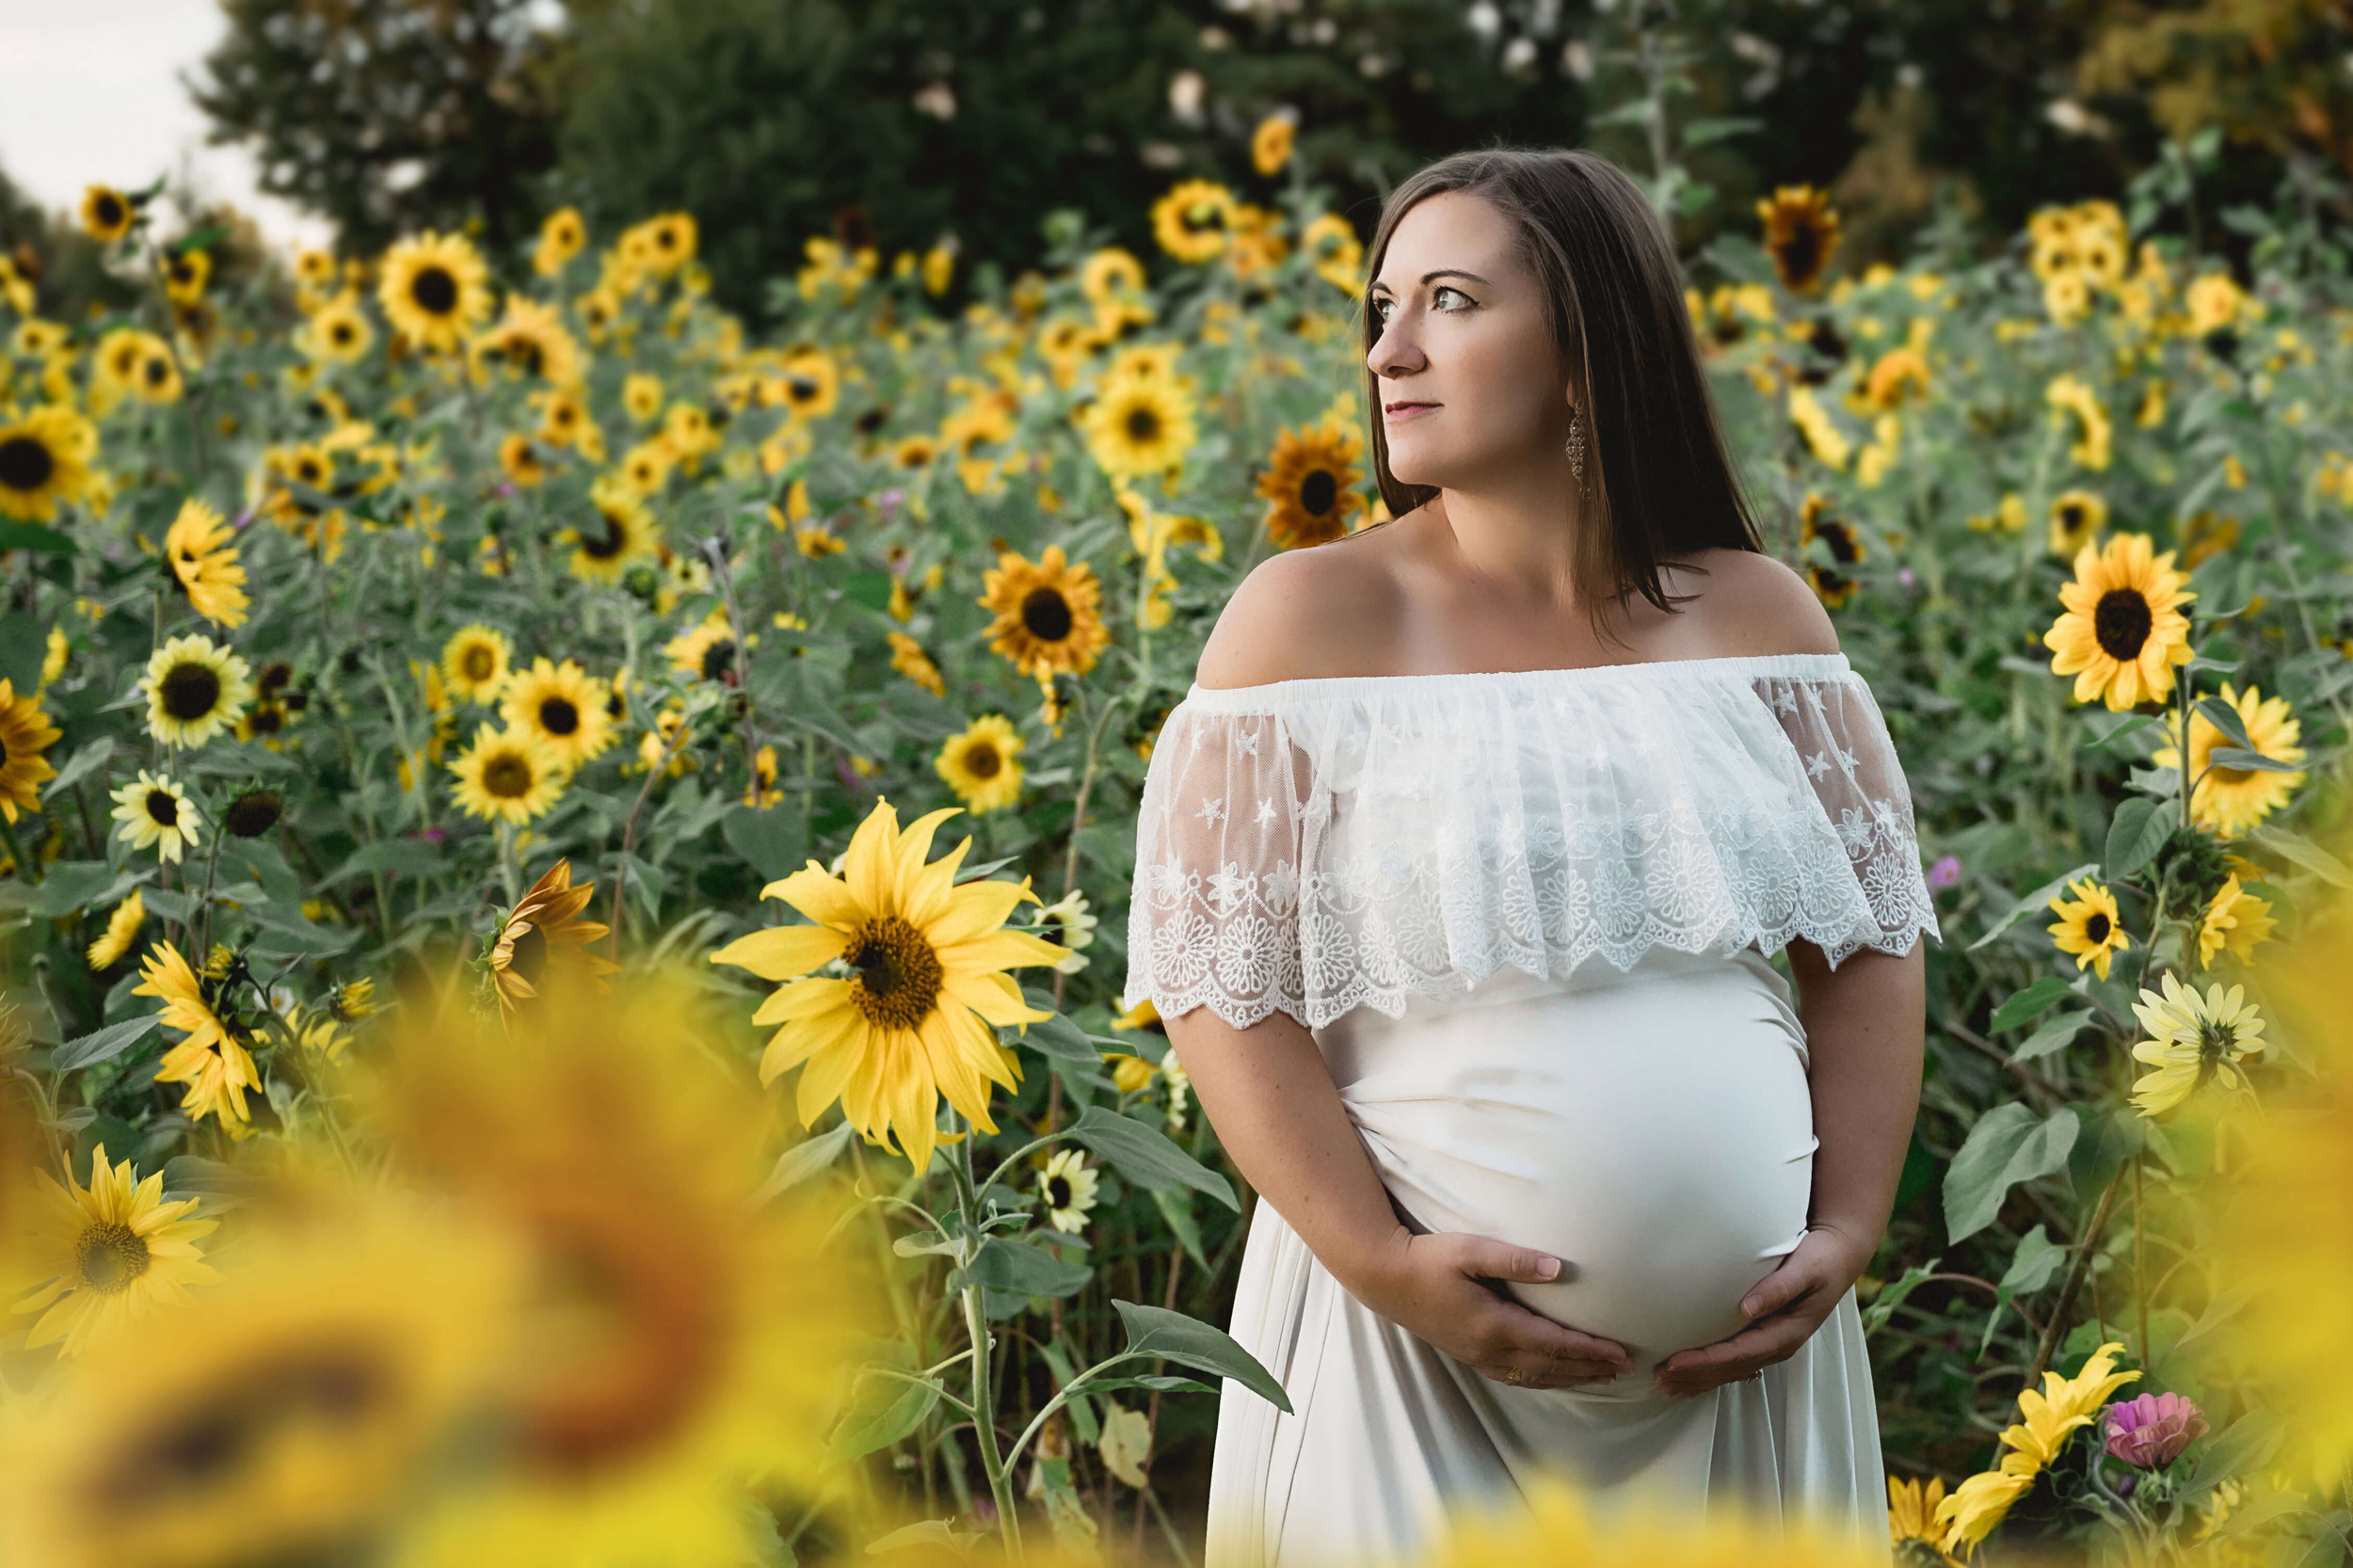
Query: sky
point(90, 92)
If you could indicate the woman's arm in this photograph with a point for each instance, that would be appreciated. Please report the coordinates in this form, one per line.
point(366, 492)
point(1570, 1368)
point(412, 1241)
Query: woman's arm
point(1267, 1092)
point(1866, 1026)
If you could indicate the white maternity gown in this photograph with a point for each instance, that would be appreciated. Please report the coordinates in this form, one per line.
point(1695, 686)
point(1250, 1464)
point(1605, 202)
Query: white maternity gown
point(1422, 869)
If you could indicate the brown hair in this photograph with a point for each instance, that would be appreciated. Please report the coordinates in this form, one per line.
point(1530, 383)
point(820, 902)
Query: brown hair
point(1659, 482)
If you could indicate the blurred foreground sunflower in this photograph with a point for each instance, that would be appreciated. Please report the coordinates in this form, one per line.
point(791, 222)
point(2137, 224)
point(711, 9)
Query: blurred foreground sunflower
point(919, 988)
point(682, 1338)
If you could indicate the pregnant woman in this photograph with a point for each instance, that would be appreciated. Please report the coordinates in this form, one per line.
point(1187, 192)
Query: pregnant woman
point(1459, 872)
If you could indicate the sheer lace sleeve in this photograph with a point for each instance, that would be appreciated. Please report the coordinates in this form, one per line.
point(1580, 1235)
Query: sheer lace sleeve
point(1842, 740)
point(1220, 841)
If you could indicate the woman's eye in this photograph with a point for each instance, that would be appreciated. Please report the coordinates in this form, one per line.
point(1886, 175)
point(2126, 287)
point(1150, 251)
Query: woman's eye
point(1439, 298)
point(1381, 309)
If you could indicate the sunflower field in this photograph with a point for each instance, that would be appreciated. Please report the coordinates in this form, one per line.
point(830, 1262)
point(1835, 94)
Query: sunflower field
point(522, 796)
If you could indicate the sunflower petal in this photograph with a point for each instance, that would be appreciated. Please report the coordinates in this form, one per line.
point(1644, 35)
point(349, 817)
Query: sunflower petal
point(780, 953)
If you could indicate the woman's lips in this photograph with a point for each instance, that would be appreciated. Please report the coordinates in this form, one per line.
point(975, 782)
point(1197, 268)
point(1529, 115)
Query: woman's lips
point(1397, 413)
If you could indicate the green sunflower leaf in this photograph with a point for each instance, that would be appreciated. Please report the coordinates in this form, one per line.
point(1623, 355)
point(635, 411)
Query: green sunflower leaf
point(1188, 1341)
point(2032, 1002)
point(2226, 718)
point(2138, 831)
point(104, 1044)
point(1146, 1156)
point(2009, 1144)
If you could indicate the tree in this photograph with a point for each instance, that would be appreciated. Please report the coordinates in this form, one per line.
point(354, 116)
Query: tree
point(392, 114)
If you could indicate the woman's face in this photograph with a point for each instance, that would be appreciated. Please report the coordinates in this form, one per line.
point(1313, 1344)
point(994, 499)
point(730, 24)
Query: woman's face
point(1470, 382)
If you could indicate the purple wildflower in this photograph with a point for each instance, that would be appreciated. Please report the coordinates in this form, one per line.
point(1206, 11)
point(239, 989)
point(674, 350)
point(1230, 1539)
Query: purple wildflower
point(2151, 1431)
point(1946, 872)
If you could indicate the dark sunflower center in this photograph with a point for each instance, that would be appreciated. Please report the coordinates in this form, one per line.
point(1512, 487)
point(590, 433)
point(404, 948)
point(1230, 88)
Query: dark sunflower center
point(559, 715)
point(190, 691)
point(2071, 515)
point(527, 352)
point(1144, 425)
point(2097, 927)
point(267, 719)
point(529, 955)
point(26, 463)
point(1204, 217)
point(1318, 492)
point(1841, 541)
point(1802, 249)
point(507, 775)
point(163, 808)
point(604, 546)
point(253, 813)
point(110, 1256)
point(158, 371)
point(982, 761)
point(899, 977)
point(1058, 1192)
point(341, 333)
point(478, 663)
point(801, 388)
point(434, 290)
point(719, 659)
point(2120, 623)
point(110, 212)
point(1047, 615)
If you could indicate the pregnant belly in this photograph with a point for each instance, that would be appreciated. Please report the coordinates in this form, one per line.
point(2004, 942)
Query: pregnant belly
point(1655, 1134)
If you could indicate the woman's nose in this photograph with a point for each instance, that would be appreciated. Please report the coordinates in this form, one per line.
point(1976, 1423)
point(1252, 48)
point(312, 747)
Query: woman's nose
point(1393, 353)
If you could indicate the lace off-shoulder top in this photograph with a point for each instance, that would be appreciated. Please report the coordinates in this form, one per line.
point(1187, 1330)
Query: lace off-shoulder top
point(1314, 846)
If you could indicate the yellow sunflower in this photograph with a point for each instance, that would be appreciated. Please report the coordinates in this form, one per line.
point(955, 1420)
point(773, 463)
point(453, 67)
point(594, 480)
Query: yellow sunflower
point(291, 1412)
point(109, 1254)
point(2089, 926)
point(642, 395)
point(530, 339)
point(2227, 800)
point(561, 238)
point(211, 1060)
point(707, 652)
point(435, 290)
point(645, 466)
point(809, 383)
point(1270, 143)
point(1337, 255)
point(25, 732)
point(915, 452)
point(623, 533)
point(1310, 486)
point(123, 929)
point(474, 664)
point(2069, 395)
point(1829, 578)
point(2235, 922)
point(185, 274)
point(152, 812)
point(1800, 235)
point(543, 933)
point(45, 461)
point(1911, 1525)
point(506, 776)
point(560, 705)
point(195, 689)
point(2122, 632)
point(979, 765)
point(1191, 221)
point(1048, 613)
point(1110, 273)
point(2076, 518)
point(915, 1018)
point(202, 549)
point(106, 214)
point(2194, 1039)
point(689, 1341)
point(520, 460)
point(2049, 1418)
point(1139, 425)
point(909, 659)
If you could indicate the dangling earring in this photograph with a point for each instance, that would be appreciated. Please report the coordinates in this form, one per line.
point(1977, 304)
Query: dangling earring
point(1576, 445)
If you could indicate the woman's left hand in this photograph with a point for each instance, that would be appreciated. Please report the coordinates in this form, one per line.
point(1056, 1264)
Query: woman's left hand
point(1784, 1308)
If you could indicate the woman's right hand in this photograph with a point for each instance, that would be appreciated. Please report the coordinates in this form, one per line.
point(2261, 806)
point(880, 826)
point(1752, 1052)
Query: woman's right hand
point(1430, 1285)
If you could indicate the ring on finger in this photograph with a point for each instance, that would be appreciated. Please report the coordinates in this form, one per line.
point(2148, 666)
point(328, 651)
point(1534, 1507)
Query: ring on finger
point(1511, 1376)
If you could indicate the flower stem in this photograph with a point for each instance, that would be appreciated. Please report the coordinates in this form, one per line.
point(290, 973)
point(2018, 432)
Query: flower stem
point(983, 1389)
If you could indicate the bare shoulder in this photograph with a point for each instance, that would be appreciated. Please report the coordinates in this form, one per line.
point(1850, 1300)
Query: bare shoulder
point(1753, 603)
point(1305, 613)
